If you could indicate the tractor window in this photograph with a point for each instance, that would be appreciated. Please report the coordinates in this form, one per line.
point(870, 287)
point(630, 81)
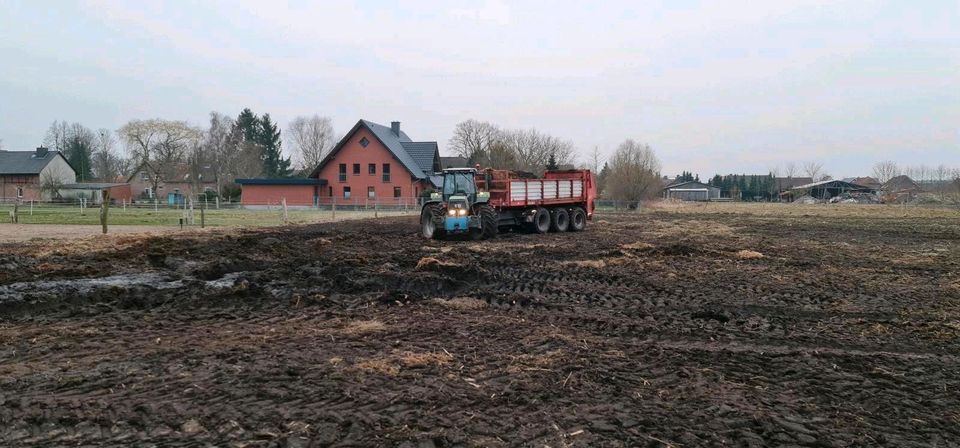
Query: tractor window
point(458, 183)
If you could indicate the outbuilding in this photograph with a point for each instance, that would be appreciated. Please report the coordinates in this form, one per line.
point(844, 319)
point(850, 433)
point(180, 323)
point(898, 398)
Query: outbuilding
point(691, 191)
point(119, 192)
point(270, 192)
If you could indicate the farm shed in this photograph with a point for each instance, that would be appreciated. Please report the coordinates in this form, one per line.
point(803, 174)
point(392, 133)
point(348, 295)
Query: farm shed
point(264, 192)
point(119, 193)
point(825, 189)
point(691, 191)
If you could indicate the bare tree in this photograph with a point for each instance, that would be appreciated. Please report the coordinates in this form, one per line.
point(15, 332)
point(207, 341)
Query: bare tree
point(158, 146)
point(312, 140)
point(474, 140)
point(221, 144)
point(634, 172)
point(594, 162)
point(813, 170)
point(942, 173)
point(57, 136)
point(790, 170)
point(885, 170)
point(51, 181)
point(106, 162)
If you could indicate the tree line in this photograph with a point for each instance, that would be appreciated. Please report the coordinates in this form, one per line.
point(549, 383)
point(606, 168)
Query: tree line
point(248, 146)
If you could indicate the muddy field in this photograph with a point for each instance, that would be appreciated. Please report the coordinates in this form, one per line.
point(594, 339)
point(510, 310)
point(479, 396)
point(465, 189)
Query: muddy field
point(658, 329)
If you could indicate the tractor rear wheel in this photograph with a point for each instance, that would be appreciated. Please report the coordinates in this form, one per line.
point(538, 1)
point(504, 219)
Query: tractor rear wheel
point(488, 221)
point(578, 219)
point(559, 220)
point(431, 221)
point(541, 221)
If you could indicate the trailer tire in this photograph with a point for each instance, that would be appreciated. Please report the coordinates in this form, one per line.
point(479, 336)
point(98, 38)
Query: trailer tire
point(541, 221)
point(559, 220)
point(431, 221)
point(488, 221)
point(578, 220)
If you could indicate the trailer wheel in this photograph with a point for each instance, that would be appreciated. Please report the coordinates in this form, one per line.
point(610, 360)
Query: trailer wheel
point(578, 220)
point(541, 221)
point(431, 221)
point(488, 221)
point(559, 220)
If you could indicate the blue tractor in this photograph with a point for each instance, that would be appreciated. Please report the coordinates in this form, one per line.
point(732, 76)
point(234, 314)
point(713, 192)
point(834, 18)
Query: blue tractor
point(459, 208)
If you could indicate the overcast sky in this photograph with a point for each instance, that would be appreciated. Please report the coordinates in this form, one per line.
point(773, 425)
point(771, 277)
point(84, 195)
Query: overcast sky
point(713, 87)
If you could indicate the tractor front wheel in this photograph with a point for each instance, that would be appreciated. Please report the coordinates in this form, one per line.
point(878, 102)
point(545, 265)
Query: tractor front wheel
point(431, 221)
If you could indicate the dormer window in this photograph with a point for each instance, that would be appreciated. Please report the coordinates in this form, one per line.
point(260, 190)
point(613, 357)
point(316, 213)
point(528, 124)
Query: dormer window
point(364, 142)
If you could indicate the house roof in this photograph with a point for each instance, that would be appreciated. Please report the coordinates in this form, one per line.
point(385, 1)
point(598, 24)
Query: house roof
point(425, 154)
point(689, 184)
point(836, 184)
point(395, 144)
point(901, 183)
point(26, 162)
point(92, 186)
point(787, 183)
point(454, 162)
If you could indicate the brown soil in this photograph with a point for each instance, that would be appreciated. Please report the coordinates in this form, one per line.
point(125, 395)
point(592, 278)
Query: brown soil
point(641, 331)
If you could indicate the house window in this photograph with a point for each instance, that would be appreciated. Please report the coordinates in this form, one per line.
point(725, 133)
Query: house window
point(372, 169)
point(19, 192)
point(396, 192)
point(386, 172)
point(346, 192)
point(356, 169)
point(371, 192)
point(330, 191)
point(343, 172)
point(364, 142)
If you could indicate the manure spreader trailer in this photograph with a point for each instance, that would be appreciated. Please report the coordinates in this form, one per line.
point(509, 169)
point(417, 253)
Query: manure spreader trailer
point(479, 203)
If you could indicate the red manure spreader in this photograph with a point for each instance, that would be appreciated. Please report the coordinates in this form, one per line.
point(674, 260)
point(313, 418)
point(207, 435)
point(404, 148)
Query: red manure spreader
point(481, 203)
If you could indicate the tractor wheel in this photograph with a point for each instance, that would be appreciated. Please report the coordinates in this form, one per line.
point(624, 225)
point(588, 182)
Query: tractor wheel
point(559, 220)
point(488, 221)
point(578, 220)
point(541, 221)
point(431, 221)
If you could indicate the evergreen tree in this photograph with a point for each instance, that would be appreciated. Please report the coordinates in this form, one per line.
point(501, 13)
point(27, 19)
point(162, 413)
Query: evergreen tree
point(249, 125)
point(79, 151)
point(602, 178)
point(552, 163)
point(274, 165)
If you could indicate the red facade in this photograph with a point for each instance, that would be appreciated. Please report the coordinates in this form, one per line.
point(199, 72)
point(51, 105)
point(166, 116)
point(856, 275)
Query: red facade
point(359, 174)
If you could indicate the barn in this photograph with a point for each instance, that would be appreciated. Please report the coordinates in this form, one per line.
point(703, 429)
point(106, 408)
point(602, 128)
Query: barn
point(691, 191)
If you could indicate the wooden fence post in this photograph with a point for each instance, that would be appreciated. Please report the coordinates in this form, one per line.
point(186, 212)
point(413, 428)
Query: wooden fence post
point(333, 208)
point(203, 221)
point(283, 201)
point(104, 208)
point(14, 216)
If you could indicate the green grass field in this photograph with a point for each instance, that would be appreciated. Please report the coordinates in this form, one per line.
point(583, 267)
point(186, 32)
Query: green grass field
point(171, 217)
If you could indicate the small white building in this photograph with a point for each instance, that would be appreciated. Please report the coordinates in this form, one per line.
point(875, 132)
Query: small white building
point(691, 191)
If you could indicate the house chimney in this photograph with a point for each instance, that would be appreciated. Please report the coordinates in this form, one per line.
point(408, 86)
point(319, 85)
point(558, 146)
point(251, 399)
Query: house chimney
point(395, 127)
point(41, 152)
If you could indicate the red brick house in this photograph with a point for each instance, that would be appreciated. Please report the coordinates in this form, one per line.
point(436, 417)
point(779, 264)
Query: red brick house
point(375, 162)
point(371, 164)
point(22, 174)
